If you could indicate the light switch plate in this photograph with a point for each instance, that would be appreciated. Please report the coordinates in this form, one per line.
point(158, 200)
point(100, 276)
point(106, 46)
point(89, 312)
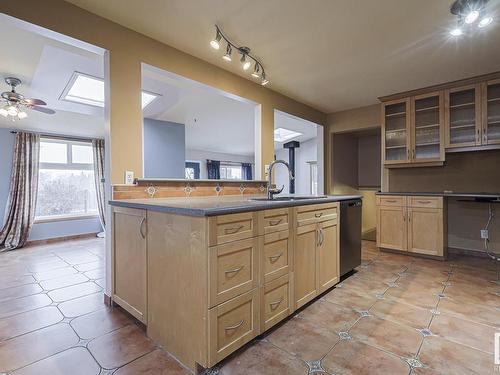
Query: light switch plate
point(129, 177)
point(484, 234)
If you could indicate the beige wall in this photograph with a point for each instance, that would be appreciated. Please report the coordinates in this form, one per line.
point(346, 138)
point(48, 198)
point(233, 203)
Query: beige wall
point(127, 49)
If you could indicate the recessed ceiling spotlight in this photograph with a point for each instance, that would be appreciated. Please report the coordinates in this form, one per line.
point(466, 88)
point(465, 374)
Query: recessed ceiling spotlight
point(227, 56)
point(471, 17)
point(456, 32)
point(485, 22)
point(215, 43)
point(246, 58)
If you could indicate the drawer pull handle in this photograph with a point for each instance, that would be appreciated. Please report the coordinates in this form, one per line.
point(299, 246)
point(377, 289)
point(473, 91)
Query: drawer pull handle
point(275, 222)
point(233, 230)
point(318, 215)
point(141, 228)
point(391, 200)
point(424, 202)
point(234, 270)
point(236, 326)
point(274, 305)
point(274, 258)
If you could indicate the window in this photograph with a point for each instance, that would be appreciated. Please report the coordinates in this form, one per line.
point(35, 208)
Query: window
point(192, 170)
point(86, 89)
point(66, 180)
point(230, 172)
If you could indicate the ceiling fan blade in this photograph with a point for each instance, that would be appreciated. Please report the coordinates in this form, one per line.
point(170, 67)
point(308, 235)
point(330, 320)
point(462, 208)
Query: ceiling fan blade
point(47, 111)
point(33, 102)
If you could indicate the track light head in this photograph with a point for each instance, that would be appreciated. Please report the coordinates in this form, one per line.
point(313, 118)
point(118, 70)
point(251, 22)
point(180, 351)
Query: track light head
point(485, 21)
point(227, 56)
point(215, 43)
point(264, 81)
point(246, 64)
point(256, 70)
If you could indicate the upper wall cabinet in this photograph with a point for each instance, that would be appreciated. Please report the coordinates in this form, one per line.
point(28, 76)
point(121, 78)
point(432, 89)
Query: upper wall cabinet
point(491, 112)
point(463, 116)
point(413, 131)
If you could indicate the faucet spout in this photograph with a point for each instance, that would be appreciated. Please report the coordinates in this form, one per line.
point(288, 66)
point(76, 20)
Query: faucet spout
point(271, 191)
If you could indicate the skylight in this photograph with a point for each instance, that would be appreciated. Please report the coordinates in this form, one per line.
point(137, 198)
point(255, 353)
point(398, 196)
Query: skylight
point(282, 135)
point(86, 89)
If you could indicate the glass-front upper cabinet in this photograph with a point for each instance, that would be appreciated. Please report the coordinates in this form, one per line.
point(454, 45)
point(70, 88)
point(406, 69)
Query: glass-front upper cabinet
point(427, 130)
point(463, 125)
point(491, 112)
point(395, 131)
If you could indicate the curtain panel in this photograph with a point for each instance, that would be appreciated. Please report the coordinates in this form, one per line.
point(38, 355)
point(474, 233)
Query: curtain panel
point(98, 150)
point(213, 169)
point(246, 171)
point(20, 211)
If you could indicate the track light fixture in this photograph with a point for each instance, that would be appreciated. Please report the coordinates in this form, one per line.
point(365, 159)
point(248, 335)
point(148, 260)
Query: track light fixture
point(246, 58)
point(467, 13)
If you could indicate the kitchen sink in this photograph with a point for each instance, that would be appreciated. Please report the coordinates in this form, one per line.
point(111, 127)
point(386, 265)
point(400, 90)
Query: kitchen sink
point(289, 198)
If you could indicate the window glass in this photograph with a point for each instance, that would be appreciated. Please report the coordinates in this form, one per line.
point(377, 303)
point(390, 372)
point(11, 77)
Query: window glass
point(81, 154)
point(53, 152)
point(65, 187)
point(230, 172)
point(189, 173)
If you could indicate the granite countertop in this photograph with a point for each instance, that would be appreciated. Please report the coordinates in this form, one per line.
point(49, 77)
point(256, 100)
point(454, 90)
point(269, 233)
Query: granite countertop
point(212, 206)
point(446, 194)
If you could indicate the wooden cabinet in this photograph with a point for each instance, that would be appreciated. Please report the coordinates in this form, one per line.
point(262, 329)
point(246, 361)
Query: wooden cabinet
point(413, 223)
point(491, 112)
point(463, 116)
point(413, 131)
point(210, 285)
point(129, 261)
point(316, 262)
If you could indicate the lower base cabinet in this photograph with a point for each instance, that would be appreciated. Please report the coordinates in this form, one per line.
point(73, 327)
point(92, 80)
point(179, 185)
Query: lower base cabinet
point(214, 284)
point(414, 224)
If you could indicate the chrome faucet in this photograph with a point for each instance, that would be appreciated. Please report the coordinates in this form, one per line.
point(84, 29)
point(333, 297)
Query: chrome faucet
point(271, 191)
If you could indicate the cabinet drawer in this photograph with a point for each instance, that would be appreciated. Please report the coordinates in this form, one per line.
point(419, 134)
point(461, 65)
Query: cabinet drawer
point(391, 200)
point(276, 220)
point(425, 202)
point(276, 302)
point(233, 269)
point(316, 213)
point(228, 228)
point(276, 255)
point(232, 325)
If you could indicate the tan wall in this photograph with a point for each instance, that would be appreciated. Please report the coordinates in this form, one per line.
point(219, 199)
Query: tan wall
point(127, 49)
point(361, 118)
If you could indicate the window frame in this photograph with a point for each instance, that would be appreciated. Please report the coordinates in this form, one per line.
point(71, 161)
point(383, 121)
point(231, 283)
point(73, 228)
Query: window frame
point(69, 165)
point(231, 165)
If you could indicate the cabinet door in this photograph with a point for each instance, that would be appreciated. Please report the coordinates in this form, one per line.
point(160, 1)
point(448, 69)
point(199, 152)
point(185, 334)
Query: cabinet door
point(427, 133)
point(328, 255)
point(129, 260)
point(491, 112)
point(425, 231)
point(462, 116)
point(305, 264)
point(395, 134)
point(391, 227)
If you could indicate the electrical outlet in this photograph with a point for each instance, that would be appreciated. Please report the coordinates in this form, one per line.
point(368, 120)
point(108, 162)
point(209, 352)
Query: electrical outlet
point(129, 177)
point(484, 234)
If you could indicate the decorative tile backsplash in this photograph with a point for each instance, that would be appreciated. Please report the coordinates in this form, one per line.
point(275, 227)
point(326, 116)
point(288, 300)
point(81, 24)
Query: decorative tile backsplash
point(191, 188)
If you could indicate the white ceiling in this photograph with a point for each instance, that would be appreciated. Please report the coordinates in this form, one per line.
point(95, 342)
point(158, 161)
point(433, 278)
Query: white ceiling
point(45, 67)
point(331, 54)
point(214, 122)
point(287, 121)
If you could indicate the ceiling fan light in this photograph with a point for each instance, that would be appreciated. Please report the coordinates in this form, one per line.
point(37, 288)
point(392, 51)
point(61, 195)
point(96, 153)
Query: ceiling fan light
point(485, 21)
point(215, 43)
point(471, 17)
point(4, 112)
point(22, 115)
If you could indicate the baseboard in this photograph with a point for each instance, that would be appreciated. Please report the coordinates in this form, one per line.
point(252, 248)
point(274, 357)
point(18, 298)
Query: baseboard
point(470, 252)
point(61, 239)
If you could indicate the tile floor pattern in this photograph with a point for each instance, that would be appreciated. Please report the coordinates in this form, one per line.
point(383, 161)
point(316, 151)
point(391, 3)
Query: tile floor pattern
point(396, 315)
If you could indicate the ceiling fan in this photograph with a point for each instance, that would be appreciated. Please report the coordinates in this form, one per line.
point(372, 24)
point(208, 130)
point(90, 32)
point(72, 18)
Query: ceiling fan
point(16, 103)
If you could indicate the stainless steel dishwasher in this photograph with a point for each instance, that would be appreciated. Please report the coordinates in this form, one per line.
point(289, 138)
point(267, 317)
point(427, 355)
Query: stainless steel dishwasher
point(350, 235)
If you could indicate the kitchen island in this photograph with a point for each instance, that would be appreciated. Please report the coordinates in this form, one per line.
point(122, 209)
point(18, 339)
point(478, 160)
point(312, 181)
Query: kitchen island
point(207, 275)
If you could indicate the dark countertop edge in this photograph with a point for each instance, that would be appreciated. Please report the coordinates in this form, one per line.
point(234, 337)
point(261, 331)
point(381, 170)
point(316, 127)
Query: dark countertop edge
point(194, 181)
point(254, 206)
point(465, 195)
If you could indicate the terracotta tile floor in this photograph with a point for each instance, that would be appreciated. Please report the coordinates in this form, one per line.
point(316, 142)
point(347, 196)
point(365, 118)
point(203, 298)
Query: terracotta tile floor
point(396, 315)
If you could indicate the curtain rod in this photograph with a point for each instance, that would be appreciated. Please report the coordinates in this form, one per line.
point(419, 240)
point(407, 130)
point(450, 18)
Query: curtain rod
point(59, 136)
point(231, 162)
